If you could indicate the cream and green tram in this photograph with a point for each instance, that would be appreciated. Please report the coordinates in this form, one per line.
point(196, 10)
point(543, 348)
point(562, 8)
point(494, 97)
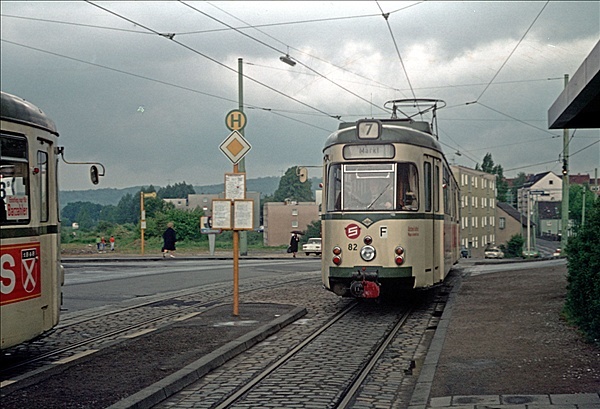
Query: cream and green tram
point(390, 209)
point(30, 271)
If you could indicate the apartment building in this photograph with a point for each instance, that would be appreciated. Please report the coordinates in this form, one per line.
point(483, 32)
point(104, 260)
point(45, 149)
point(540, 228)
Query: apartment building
point(477, 208)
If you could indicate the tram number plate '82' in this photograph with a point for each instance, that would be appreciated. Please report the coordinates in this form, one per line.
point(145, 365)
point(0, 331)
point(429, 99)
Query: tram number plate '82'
point(20, 273)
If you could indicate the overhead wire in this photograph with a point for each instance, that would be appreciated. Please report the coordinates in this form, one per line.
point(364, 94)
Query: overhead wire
point(386, 16)
point(170, 36)
point(170, 84)
point(257, 27)
point(282, 52)
point(512, 52)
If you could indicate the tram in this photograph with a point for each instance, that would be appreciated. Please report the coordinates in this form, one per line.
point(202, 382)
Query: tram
point(390, 219)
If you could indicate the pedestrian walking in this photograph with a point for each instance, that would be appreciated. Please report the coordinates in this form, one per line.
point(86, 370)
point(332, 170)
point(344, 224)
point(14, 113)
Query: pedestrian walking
point(294, 244)
point(98, 243)
point(103, 244)
point(169, 239)
point(112, 243)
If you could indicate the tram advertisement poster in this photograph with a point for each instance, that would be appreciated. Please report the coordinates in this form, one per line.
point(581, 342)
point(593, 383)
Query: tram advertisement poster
point(20, 273)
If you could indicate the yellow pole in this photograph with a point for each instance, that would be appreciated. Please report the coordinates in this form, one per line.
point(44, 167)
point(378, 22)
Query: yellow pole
point(236, 263)
point(142, 219)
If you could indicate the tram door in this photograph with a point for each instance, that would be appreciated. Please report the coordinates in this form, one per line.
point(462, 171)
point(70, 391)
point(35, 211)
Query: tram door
point(428, 232)
point(43, 199)
point(438, 225)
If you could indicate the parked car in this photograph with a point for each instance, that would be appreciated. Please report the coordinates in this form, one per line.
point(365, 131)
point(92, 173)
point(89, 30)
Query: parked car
point(531, 254)
point(556, 253)
point(313, 245)
point(493, 252)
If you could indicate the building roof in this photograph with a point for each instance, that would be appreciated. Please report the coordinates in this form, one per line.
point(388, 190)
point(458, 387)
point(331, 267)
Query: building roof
point(514, 213)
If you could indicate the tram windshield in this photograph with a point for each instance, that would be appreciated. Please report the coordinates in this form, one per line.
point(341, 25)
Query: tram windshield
point(14, 200)
point(372, 187)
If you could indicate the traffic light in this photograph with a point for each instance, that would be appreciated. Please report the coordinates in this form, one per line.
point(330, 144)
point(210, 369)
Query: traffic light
point(564, 169)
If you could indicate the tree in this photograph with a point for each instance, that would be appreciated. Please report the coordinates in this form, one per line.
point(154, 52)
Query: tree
point(576, 195)
point(290, 188)
point(514, 246)
point(518, 183)
point(501, 183)
point(488, 164)
point(177, 191)
point(488, 167)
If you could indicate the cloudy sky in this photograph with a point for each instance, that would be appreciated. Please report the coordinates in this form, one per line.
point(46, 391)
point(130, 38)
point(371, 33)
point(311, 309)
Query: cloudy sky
point(151, 106)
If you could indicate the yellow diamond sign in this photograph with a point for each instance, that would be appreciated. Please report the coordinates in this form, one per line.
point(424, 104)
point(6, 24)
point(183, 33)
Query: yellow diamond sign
point(235, 147)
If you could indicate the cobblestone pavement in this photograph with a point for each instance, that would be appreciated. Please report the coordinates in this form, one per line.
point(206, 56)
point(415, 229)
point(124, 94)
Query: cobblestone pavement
point(321, 373)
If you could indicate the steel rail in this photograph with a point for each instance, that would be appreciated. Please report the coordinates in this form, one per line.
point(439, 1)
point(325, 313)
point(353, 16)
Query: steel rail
point(201, 306)
point(351, 391)
point(271, 368)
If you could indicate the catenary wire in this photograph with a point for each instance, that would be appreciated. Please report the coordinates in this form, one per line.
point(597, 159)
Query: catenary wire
point(171, 38)
point(512, 52)
point(170, 84)
point(386, 16)
point(282, 52)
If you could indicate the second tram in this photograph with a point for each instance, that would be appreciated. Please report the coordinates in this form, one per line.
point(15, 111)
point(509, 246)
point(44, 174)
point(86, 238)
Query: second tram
point(30, 271)
point(390, 219)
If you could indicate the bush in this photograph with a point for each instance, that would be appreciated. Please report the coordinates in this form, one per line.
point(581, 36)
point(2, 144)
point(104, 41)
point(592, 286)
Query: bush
point(582, 306)
point(514, 247)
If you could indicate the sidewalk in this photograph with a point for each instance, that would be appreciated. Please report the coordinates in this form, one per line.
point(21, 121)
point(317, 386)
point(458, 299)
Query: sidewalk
point(501, 343)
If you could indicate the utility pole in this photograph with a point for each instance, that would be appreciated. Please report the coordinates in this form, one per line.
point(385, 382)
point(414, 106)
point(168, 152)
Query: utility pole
point(565, 186)
point(242, 164)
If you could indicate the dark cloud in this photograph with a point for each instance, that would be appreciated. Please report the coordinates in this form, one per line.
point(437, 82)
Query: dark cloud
point(451, 51)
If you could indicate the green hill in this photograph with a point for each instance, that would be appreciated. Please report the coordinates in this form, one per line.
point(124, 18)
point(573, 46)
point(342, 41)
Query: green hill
point(111, 196)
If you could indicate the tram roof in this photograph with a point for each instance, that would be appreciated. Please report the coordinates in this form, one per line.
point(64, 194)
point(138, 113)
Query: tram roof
point(16, 109)
point(394, 131)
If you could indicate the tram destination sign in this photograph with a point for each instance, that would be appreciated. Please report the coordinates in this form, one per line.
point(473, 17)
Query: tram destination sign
point(369, 151)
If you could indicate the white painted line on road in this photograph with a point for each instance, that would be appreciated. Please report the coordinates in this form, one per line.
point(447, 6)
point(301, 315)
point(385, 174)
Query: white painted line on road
point(137, 334)
point(188, 316)
point(75, 357)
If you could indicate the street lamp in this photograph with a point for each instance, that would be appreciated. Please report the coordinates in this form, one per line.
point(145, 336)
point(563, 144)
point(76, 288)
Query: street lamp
point(288, 60)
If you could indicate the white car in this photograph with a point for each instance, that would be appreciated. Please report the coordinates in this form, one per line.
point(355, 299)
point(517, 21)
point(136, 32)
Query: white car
point(494, 253)
point(313, 245)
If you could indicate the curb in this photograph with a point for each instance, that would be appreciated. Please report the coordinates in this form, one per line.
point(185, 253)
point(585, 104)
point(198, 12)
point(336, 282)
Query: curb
point(161, 390)
point(420, 396)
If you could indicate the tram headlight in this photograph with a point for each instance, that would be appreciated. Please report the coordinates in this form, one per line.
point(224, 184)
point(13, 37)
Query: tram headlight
point(399, 250)
point(337, 260)
point(399, 260)
point(368, 240)
point(337, 250)
point(367, 253)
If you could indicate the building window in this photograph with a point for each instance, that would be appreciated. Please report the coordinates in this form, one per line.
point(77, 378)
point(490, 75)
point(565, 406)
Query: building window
point(550, 182)
point(294, 212)
point(295, 223)
point(502, 223)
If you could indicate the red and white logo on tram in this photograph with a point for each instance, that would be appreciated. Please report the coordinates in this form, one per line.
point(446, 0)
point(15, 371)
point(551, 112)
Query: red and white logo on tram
point(20, 277)
point(352, 231)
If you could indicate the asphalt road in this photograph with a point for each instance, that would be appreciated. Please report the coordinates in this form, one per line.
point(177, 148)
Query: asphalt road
point(97, 284)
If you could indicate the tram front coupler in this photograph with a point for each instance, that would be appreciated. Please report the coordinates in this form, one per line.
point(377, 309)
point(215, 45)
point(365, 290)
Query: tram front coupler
point(364, 285)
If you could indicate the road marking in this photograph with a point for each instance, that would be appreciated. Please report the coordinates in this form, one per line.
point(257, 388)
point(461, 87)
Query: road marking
point(188, 316)
point(75, 357)
point(137, 334)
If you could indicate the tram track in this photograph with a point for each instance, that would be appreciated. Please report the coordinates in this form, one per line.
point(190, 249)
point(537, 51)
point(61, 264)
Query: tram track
point(86, 335)
point(249, 394)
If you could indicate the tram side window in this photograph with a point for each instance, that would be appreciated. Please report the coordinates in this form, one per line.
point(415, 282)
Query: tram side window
point(408, 187)
point(14, 180)
point(43, 168)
